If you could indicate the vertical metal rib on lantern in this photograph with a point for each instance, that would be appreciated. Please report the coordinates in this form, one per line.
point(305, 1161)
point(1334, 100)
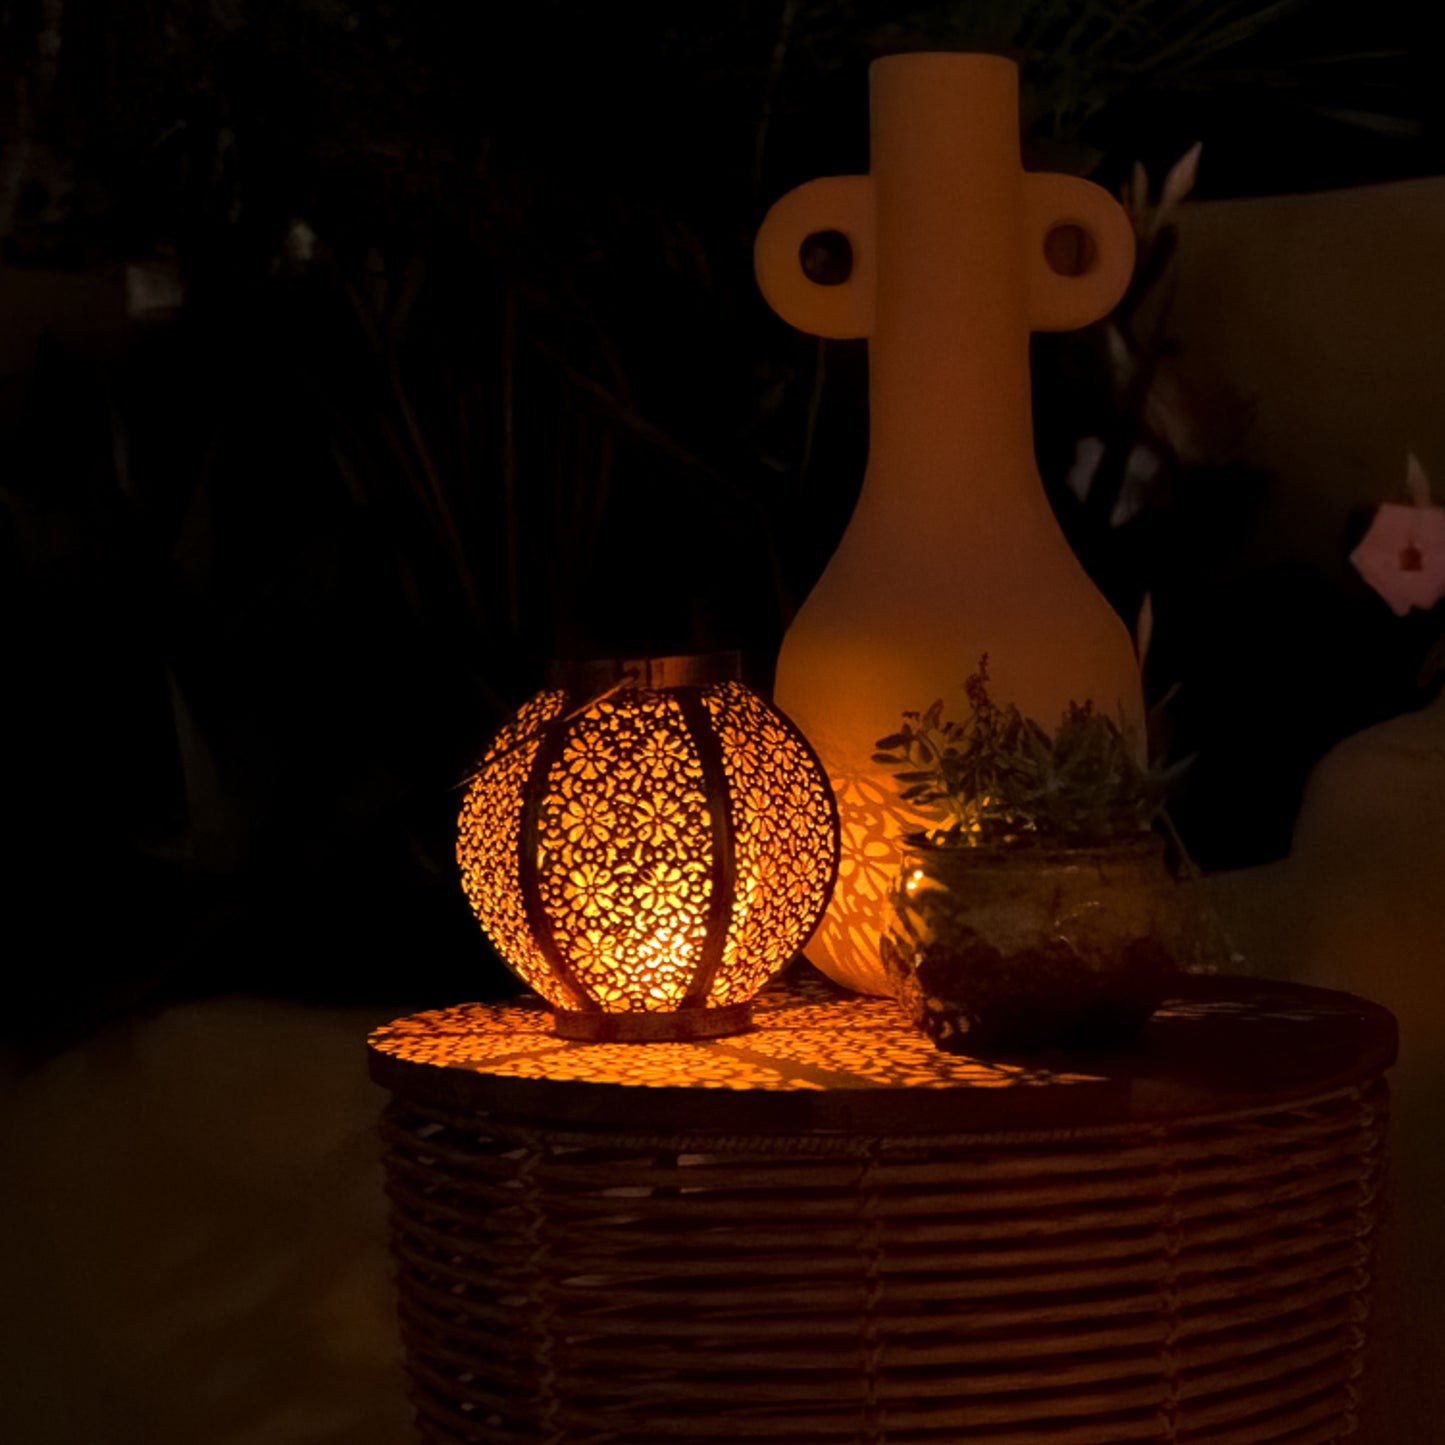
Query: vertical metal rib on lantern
point(646, 844)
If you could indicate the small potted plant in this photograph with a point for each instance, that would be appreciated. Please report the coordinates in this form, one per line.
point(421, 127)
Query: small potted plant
point(1039, 911)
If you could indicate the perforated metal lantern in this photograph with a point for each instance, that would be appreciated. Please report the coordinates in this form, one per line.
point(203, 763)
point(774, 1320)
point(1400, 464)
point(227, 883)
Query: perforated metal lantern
point(646, 844)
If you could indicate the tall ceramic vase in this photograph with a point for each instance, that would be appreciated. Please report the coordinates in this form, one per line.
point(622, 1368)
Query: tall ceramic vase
point(952, 550)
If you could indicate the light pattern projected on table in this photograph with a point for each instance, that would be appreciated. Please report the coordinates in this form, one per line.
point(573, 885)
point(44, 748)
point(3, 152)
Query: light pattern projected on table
point(807, 1037)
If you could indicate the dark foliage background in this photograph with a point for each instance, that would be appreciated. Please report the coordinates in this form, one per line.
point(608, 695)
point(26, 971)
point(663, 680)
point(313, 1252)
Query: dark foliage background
point(360, 356)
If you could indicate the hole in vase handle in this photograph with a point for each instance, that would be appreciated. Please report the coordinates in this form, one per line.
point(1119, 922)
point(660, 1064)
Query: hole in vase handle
point(1069, 250)
point(826, 258)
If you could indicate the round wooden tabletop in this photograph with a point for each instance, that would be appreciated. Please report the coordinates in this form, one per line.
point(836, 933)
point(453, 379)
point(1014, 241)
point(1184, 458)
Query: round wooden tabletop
point(819, 1059)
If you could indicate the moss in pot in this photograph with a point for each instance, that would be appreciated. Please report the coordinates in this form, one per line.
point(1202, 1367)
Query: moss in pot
point(1039, 911)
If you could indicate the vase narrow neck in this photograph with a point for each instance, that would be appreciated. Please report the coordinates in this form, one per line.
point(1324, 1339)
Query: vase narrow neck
point(948, 357)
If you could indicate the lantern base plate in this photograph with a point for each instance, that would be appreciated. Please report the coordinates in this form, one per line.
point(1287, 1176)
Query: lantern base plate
point(644, 1027)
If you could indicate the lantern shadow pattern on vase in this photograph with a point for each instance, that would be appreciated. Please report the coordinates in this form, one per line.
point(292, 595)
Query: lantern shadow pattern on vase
point(659, 850)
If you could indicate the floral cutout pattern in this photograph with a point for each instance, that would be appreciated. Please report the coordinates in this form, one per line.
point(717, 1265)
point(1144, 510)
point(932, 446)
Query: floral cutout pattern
point(628, 853)
point(625, 853)
point(782, 826)
point(489, 846)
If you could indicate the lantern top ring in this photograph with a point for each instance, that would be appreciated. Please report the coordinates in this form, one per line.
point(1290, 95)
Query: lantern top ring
point(594, 676)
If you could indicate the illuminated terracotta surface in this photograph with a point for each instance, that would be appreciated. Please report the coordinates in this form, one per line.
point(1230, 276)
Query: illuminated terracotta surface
point(656, 849)
point(952, 550)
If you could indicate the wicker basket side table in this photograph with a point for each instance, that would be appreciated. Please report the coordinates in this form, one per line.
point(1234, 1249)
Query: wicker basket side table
point(825, 1231)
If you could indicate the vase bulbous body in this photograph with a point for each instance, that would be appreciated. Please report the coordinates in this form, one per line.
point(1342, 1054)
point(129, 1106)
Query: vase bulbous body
point(952, 551)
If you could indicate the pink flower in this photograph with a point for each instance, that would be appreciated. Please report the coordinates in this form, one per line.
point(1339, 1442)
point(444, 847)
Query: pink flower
point(1402, 556)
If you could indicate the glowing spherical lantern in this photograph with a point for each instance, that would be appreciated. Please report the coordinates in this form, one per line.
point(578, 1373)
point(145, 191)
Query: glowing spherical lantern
point(646, 844)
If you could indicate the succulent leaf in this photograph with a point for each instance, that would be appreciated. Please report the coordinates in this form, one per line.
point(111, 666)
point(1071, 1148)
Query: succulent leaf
point(1004, 780)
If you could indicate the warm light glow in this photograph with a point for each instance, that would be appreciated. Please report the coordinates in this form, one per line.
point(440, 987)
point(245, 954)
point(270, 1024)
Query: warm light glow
point(662, 848)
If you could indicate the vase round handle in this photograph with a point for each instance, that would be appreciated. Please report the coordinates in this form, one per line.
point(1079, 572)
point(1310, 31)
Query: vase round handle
point(1059, 302)
point(832, 203)
point(845, 204)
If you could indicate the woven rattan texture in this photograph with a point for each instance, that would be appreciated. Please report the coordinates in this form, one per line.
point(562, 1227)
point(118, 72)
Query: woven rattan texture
point(1199, 1281)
